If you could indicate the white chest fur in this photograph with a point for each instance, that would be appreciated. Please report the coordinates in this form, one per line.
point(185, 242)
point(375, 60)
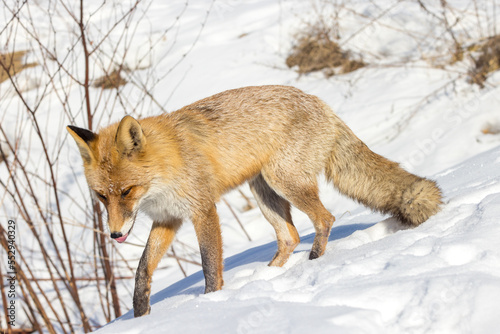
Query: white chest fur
point(162, 203)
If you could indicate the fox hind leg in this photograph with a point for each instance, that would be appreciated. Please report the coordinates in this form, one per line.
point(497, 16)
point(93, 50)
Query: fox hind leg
point(303, 193)
point(276, 209)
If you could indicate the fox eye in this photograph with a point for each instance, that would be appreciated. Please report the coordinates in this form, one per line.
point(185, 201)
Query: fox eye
point(126, 192)
point(101, 196)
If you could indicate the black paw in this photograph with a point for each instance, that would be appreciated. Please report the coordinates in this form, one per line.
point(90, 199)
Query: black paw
point(313, 255)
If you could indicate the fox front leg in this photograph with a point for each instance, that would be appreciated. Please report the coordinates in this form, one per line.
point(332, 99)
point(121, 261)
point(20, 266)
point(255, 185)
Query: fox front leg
point(160, 238)
point(209, 237)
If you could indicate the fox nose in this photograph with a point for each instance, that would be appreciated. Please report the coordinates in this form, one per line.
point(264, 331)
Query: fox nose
point(115, 235)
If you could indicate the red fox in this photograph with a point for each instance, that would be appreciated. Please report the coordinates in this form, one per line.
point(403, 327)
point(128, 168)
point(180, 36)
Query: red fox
point(176, 166)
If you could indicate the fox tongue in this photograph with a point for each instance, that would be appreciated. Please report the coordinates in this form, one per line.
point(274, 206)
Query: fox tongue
point(122, 239)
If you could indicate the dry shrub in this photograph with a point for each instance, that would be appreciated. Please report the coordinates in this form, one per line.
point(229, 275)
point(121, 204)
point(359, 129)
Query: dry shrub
point(487, 62)
point(316, 51)
point(13, 63)
point(457, 55)
point(109, 81)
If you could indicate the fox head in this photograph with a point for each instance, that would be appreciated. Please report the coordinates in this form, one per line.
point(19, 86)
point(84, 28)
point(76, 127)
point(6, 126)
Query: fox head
point(116, 170)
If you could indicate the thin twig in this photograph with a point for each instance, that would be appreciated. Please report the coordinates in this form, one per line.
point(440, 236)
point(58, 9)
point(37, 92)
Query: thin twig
point(237, 219)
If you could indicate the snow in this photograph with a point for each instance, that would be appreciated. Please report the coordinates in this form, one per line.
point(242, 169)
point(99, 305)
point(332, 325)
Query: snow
point(376, 276)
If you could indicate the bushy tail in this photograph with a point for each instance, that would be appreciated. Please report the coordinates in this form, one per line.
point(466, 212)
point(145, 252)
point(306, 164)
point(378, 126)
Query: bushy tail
point(378, 182)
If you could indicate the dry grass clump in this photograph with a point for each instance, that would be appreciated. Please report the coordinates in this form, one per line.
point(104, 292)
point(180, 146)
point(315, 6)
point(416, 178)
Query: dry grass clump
point(487, 62)
point(109, 81)
point(316, 51)
point(491, 129)
point(13, 63)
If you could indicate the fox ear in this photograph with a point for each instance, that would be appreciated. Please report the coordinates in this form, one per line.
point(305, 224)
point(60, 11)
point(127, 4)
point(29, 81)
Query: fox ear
point(83, 138)
point(129, 137)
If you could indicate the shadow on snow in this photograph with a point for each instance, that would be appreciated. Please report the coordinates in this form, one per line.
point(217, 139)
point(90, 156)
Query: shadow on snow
point(263, 253)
